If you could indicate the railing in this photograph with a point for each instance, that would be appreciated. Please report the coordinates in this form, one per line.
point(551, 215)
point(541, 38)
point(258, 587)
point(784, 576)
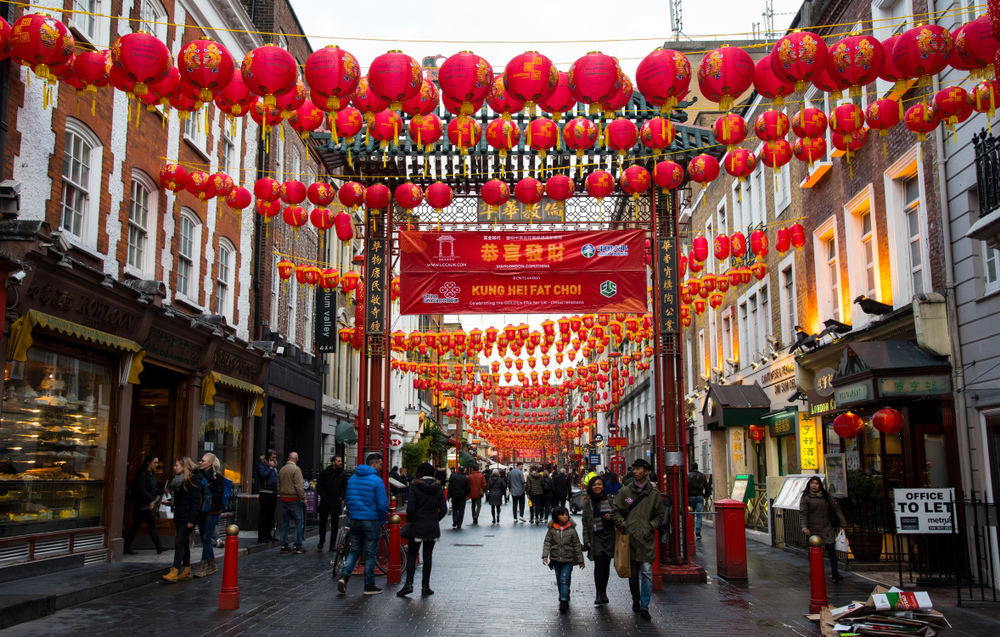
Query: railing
point(981, 568)
point(987, 171)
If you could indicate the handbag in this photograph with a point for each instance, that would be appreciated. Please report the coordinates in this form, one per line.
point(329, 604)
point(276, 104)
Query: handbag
point(623, 562)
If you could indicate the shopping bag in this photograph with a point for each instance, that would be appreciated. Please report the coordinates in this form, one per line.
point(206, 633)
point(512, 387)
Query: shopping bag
point(623, 563)
point(841, 542)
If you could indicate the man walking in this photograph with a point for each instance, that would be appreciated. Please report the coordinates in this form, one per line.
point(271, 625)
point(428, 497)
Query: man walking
point(697, 489)
point(458, 490)
point(293, 495)
point(515, 482)
point(330, 486)
point(560, 489)
point(368, 508)
point(637, 510)
point(477, 489)
point(533, 487)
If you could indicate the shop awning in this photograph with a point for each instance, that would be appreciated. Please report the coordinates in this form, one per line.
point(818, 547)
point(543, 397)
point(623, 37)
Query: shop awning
point(884, 355)
point(346, 433)
point(21, 340)
point(208, 390)
point(782, 422)
point(735, 405)
point(466, 459)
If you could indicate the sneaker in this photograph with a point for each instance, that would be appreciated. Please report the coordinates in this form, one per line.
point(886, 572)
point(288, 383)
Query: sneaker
point(521, 518)
point(371, 589)
point(299, 549)
point(342, 585)
point(698, 535)
point(286, 549)
point(563, 605)
point(320, 547)
point(645, 614)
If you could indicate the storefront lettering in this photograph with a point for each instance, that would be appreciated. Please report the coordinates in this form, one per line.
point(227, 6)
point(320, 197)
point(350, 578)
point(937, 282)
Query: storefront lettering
point(775, 374)
point(739, 458)
point(96, 313)
point(821, 408)
point(223, 426)
point(852, 394)
point(169, 346)
point(914, 385)
point(808, 443)
point(230, 364)
point(782, 426)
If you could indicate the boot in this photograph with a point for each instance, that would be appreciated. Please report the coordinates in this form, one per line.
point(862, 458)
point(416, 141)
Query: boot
point(185, 574)
point(406, 590)
point(212, 568)
point(172, 575)
point(202, 569)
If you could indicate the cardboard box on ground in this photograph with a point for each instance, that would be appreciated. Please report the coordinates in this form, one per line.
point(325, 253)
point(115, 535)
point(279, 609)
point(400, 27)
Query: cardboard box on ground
point(888, 611)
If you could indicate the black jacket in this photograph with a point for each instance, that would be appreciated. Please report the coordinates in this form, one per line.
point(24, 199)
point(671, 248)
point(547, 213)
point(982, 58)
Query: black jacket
point(187, 501)
point(547, 487)
point(560, 488)
point(697, 484)
point(458, 487)
point(144, 488)
point(425, 508)
point(331, 486)
point(216, 487)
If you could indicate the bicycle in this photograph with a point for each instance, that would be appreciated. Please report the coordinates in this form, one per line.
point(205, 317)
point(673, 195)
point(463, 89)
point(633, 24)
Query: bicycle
point(343, 549)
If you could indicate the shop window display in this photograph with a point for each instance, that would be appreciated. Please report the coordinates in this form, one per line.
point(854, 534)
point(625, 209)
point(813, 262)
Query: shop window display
point(221, 433)
point(53, 443)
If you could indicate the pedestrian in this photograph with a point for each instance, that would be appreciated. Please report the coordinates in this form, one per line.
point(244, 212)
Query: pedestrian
point(497, 490)
point(697, 489)
point(560, 488)
point(503, 476)
point(533, 489)
point(815, 508)
point(293, 495)
point(211, 472)
point(459, 489)
point(515, 482)
point(404, 477)
point(547, 488)
point(368, 508)
point(394, 491)
point(144, 495)
point(267, 495)
point(599, 536)
point(441, 476)
point(638, 511)
point(563, 549)
point(477, 490)
point(612, 486)
point(185, 495)
point(330, 486)
point(425, 508)
point(586, 479)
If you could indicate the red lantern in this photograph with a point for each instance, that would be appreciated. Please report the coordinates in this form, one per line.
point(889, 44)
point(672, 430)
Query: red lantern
point(621, 135)
point(721, 246)
point(580, 134)
point(882, 115)
point(635, 181)
point(306, 119)
point(235, 98)
point(541, 135)
point(269, 71)
point(495, 193)
point(266, 116)
point(349, 281)
point(703, 169)
point(561, 101)
point(888, 421)
point(922, 51)
point(285, 269)
point(206, 65)
point(351, 195)
point(439, 195)
point(142, 58)
point(425, 103)
point(848, 425)
point(756, 433)
point(529, 78)
point(740, 162)
point(292, 192)
point(889, 72)
point(332, 74)
point(367, 102)
point(657, 134)
point(467, 79)
point(464, 133)
point(846, 119)
point(386, 128)
point(501, 101)
point(809, 149)
point(952, 105)
point(984, 97)
point(771, 126)
point(767, 84)
point(699, 306)
point(40, 42)
point(321, 194)
point(173, 177)
point(737, 245)
point(92, 68)
point(395, 77)
point(759, 244)
point(329, 278)
point(798, 58)
point(426, 132)
point(377, 197)
point(730, 129)
point(809, 122)
point(699, 248)
point(783, 240)
point(722, 283)
point(345, 229)
point(858, 59)
point(599, 184)
point(295, 216)
point(921, 119)
point(529, 191)
point(682, 262)
point(850, 143)
point(663, 78)
point(668, 175)
point(829, 82)
point(219, 185)
point(559, 187)
point(198, 184)
point(267, 209)
point(595, 79)
point(409, 196)
point(797, 234)
point(502, 135)
point(725, 74)
point(976, 46)
point(774, 155)
point(322, 218)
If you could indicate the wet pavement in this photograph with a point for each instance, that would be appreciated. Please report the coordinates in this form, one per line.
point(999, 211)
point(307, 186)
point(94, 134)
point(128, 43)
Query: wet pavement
point(489, 580)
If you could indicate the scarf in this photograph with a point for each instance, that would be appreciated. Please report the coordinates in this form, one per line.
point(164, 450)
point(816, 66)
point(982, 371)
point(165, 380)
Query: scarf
point(639, 487)
point(601, 506)
point(561, 528)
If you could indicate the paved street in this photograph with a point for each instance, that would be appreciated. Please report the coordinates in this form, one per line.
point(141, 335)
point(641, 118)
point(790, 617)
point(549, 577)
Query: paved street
point(489, 580)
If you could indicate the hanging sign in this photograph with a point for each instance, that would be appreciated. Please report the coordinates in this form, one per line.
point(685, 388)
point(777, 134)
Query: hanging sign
point(667, 278)
point(326, 321)
point(545, 211)
point(808, 443)
point(375, 265)
point(522, 272)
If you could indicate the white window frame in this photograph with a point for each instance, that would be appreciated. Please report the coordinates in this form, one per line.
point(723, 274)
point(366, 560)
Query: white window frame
point(194, 132)
point(714, 351)
point(292, 301)
point(816, 98)
point(743, 329)
point(279, 157)
point(728, 318)
point(153, 18)
point(89, 221)
point(861, 204)
point(991, 280)
point(784, 181)
point(710, 237)
point(690, 367)
point(225, 280)
point(883, 26)
point(146, 266)
point(703, 356)
point(738, 208)
point(276, 282)
point(92, 29)
point(907, 166)
point(827, 306)
point(230, 157)
point(759, 204)
point(308, 313)
point(295, 164)
point(193, 260)
point(788, 299)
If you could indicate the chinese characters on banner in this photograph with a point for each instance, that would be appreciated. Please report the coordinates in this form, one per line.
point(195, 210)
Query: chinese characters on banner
point(375, 265)
point(545, 211)
point(666, 259)
point(808, 443)
point(522, 272)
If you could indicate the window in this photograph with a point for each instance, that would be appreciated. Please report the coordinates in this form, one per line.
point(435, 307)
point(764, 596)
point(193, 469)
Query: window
point(290, 311)
point(138, 226)
point(862, 252)
point(738, 221)
point(745, 351)
point(308, 312)
point(690, 367)
point(760, 193)
point(275, 287)
point(224, 280)
point(279, 157)
point(991, 273)
point(906, 228)
point(833, 276)
point(295, 168)
point(89, 22)
point(153, 18)
point(193, 131)
point(765, 313)
point(816, 98)
point(230, 158)
point(703, 354)
point(890, 17)
point(787, 300)
point(188, 247)
point(783, 195)
point(282, 41)
point(911, 214)
point(827, 271)
point(753, 326)
point(727, 338)
point(76, 183)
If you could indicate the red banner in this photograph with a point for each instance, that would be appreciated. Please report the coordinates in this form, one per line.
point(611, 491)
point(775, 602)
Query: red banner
point(522, 272)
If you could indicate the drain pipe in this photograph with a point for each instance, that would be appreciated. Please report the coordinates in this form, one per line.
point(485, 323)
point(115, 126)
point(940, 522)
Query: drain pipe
point(951, 308)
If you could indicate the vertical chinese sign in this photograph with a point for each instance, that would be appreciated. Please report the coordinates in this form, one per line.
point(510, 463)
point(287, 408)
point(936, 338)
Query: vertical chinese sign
point(809, 441)
point(375, 265)
point(667, 279)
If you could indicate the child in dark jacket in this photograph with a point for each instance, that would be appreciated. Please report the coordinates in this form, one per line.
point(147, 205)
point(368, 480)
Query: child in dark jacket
point(563, 549)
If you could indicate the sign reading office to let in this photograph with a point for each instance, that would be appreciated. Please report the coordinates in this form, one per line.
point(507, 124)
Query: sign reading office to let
point(522, 272)
point(925, 510)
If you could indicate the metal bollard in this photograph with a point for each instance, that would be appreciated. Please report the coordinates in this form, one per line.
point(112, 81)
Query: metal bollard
point(394, 574)
point(817, 576)
point(229, 596)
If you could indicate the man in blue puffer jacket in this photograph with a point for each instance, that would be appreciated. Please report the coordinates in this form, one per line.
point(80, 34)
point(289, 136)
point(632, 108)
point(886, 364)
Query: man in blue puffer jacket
point(368, 508)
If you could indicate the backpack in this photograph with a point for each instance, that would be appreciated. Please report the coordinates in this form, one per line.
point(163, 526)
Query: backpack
point(206, 496)
point(227, 490)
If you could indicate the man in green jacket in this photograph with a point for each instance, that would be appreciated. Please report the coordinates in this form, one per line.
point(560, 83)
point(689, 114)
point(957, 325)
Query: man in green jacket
point(638, 511)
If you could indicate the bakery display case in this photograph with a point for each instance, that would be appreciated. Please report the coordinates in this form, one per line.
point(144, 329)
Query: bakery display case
point(53, 443)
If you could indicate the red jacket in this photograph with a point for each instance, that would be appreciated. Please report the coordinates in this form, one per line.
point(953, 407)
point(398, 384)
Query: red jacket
point(477, 485)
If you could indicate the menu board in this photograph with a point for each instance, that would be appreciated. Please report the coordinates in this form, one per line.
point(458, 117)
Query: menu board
point(792, 490)
point(743, 488)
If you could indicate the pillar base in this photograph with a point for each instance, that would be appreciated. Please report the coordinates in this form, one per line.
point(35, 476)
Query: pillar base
point(229, 601)
point(686, 574)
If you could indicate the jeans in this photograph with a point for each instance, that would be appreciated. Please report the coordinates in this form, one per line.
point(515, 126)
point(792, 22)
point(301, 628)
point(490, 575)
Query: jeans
point(182, 545)
point(564, 574)
point(457, 511)
point(546, 503)
point(292, 511)
point(558, 502)
point(477, 506)
point(518, 501)
point(364, 536)
point(831, 553)
point(412, 548)
point(207, 526)
point(331, 510)
point(268, 501)
point(142, 515)
point(644, 590)
point(697, 502)
point(534, 505)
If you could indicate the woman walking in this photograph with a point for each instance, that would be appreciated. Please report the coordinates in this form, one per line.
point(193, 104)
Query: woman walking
point(599, 536)
point(817, 509)
point(185, 491)
point(496, 492)
point(425, 508)
point(212, 474)
point(548, 487)
point(145, 497)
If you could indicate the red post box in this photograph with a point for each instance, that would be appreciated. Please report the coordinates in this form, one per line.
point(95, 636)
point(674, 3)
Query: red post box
point(731, 539)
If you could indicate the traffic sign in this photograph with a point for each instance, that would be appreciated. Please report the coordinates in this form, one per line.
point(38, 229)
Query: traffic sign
point(595, 459)
point(616, 441)
point(598, 437)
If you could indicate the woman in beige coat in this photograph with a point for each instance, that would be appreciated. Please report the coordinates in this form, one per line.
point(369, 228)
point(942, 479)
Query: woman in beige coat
point(814, 515)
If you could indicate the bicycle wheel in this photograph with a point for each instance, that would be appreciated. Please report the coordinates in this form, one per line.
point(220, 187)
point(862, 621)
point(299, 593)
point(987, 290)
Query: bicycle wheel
point(343, 548)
